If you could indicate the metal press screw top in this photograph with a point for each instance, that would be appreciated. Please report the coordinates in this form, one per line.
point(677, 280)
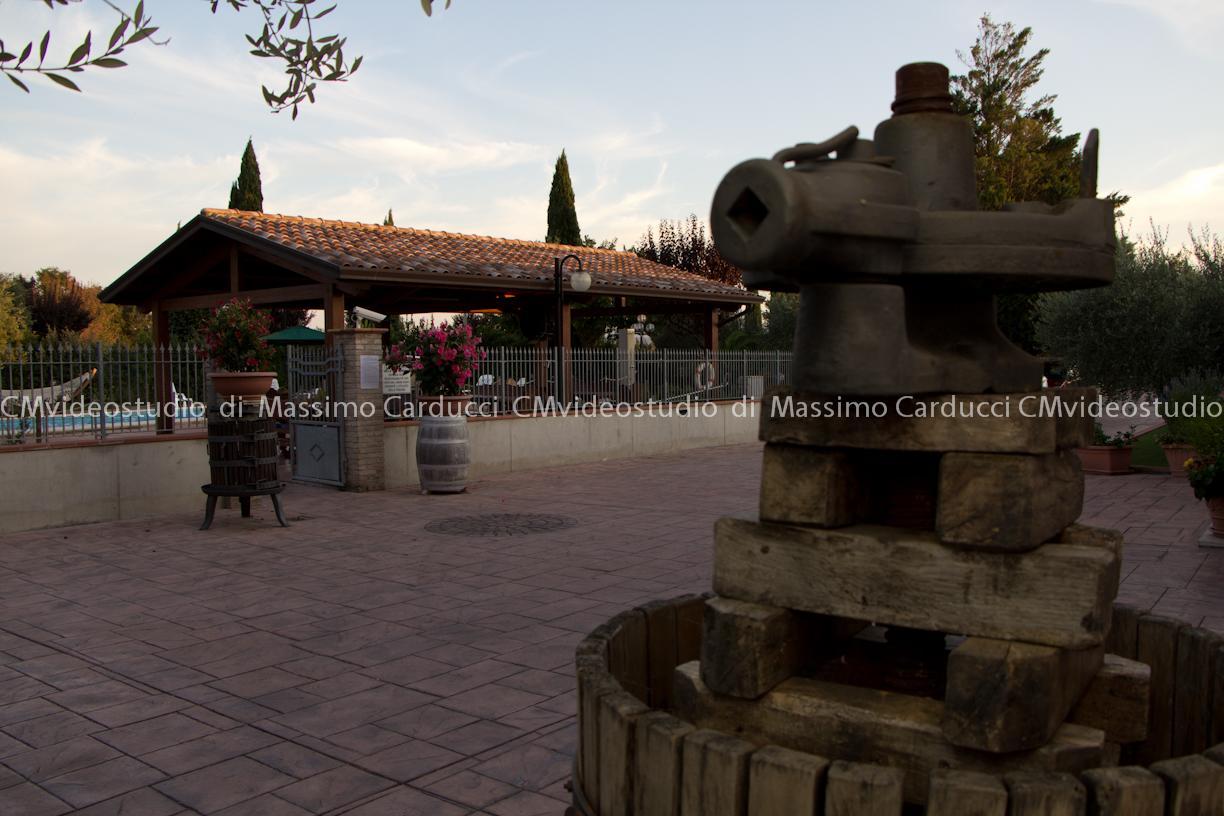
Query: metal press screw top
point(896, 266)
point(922, 87)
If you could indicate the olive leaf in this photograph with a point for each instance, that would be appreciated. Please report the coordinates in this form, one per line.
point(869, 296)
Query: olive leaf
point(82, 55)
point(287, 34)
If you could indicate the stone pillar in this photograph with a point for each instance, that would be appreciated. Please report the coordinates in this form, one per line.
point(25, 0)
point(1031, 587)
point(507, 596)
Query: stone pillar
point(363, 427)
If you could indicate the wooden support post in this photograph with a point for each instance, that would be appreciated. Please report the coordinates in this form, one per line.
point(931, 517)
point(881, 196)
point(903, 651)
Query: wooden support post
point(593, 683)
point(709, 334)
point(627, 653)
point(966, 793)
point(1048, 794)
point(163, 390)
point(710, 338)
point(1007, 502)
point(802, 485)
point(715, 775)
point(854, 789)
point(861, 724)
point(618, 714)
point(235, 281)
point(1194, 786)
point(1157, 646)
point(661, 656)
point(690, 620)
point(784, 781)
point(658, 759)
point(1130, 791)
point(1192, 697)
point(1217, 686)
point(1005, 696)
point(1121, 640)
point(1059, 594)
point(333, 310)
point(1116, 701)
point(747, 648)
point(1215, 753)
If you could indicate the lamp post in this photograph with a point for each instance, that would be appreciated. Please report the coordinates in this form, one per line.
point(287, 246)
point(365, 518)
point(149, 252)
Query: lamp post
point(580, 281)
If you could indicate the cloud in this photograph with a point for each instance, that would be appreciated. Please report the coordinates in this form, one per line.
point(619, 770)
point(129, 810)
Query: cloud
point(409, 158)
point(625, 214)
point(1199, 23)
point(513, 60)
point(1193, 198)
point(638, 142)
point(94, 211)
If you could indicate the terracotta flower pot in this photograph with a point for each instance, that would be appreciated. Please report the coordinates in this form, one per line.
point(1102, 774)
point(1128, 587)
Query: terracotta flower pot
point(1105, 460)
point(1215, 506)
point(1177, 454)
point(443, 406)
point(242, 384)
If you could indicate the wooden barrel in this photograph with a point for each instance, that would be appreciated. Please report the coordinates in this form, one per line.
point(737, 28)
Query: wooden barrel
point(443, 454)
point(242, 451)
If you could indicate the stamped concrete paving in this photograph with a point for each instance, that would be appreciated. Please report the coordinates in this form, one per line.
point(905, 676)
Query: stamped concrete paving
point(357, 663)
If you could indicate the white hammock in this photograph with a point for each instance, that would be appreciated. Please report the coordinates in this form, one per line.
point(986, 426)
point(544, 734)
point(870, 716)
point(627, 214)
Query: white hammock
point(62, 392)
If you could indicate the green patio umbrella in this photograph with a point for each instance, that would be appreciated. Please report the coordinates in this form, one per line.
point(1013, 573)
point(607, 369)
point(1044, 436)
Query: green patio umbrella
point(295, 335)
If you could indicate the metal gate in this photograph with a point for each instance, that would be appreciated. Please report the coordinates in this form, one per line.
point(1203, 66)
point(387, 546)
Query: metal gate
point(316, 433)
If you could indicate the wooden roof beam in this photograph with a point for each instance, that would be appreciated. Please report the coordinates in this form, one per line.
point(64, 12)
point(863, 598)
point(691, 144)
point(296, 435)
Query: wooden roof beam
point(315, 292)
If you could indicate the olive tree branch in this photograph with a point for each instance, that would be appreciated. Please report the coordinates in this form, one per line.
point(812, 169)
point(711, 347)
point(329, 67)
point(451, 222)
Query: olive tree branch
point(131, 29)
point(308, 60)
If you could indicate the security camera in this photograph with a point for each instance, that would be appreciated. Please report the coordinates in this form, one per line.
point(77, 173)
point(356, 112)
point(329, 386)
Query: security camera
point(369, 314)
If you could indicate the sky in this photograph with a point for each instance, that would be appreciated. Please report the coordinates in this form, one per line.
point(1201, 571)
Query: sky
point(455, 121)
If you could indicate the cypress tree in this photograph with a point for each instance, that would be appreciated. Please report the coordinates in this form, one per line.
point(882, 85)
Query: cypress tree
point(562, 215)
point(389, 221)
point(247, 192)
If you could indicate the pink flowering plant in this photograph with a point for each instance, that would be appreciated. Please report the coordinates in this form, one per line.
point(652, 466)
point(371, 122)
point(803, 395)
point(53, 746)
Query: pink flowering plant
point(446, 359)
point(396, 358)
point(233, 337)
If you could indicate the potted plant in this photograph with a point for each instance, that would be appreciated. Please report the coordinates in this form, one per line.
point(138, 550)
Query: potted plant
point(1176, 450)
point(446, 358)
point(233, 342)
point(1206, 475)
point(1180, 418)
point(1109, 454)
point(1205, 470)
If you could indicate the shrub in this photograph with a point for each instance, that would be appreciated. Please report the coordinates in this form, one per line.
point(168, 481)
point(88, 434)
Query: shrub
point(1205, 431)
point(1162, 317)
point(1120, 439)
point(1185, 391)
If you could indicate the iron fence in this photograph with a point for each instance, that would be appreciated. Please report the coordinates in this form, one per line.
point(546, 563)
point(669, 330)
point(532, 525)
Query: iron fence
point(512, 377)
point(91, 391)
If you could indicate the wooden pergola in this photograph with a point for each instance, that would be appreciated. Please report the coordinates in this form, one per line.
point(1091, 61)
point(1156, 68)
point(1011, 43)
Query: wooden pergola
point(295, 262)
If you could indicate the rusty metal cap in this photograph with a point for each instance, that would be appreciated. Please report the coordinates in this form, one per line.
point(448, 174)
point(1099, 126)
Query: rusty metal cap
point(922, 87)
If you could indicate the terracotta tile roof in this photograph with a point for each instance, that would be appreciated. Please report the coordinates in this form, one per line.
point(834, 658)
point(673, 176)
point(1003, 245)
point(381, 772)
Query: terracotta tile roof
point(389, 252)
